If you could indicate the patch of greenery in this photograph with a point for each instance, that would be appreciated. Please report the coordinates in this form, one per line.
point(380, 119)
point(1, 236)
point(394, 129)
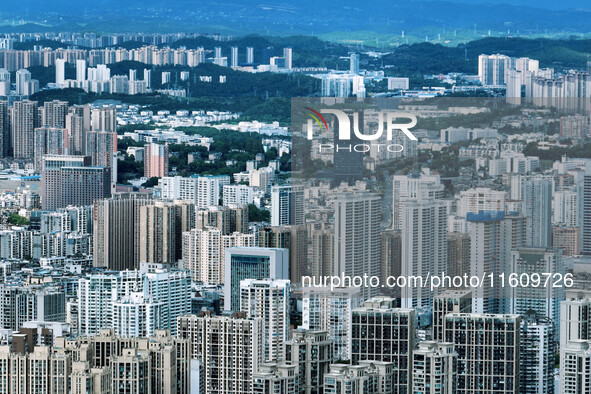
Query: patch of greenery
point(258, 215)
point(151, 182)
point(17, 220)
point(128, 169)
point(555, 153)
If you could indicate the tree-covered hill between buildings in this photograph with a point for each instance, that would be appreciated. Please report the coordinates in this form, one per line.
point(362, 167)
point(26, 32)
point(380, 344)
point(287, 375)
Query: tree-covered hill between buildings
point(427, 58)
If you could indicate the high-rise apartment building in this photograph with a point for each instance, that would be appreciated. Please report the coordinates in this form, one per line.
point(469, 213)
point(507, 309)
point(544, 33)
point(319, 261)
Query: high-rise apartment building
point(23, 303)
point(115, 230)
point(586, 214)
point(492, 237)
point(230, 219)
point(566, 206)
point(69, 180)
point(492, 69)
point(234, 57)
point(449, 301)
point(575, 319)
point(311, 352)
point(414, 186)
point(80, 70)
point(458, 253)
point(24, 119)
point(424, 247)
point(357, 235)
point(179, 188)
point(276, 378)
point(322, 252)
point(49, 141)
point(104, 119)
point(369, 376)
point(434, 368)
point(288, 56)
point(131, 371)
point(294, 238)
point(203, 251)
point(287, 205)
point(209, 190)
point(84, 185)
point(5, 129)
point(382, 332)
point(391, 253)
point(25, 86)
point(160, 227)
point(237, 195)
point(331, 310)
point(575, 367)
point(53, 114)
point(536, 355)
point(155, 160)
point(78, 124)
point(60, 72)
point(104, 364)
point(133, 302)
point(249, 55)
point(545, 301)
point(101, 147)
point(568, 239)
point(84, 379)
point(269, 300)
point(513, 86)
point(251, 263)
point(488, 351)
point(230, 350)
point(354, 63)
point(481, 199)
point(536, 194)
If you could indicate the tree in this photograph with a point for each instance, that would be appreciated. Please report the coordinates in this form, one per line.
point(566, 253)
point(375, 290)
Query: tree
point(153, 181)
point(258, 215)
point(18, 220)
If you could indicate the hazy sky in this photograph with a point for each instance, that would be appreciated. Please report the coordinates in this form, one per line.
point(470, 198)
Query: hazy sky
point(56, 4)
point(552, 4)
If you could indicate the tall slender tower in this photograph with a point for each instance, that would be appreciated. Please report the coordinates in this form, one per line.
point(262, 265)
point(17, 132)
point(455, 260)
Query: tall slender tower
point(424, 247)
point(156, 160)
point(234, 57)
point(357, 235)
point(101, 146)
point(60, 72)
point(536, 193)
point(25, 118)
point(78, 124)
point(5, 131)
point(492, 237)
point(287, 205)
point(269, 300)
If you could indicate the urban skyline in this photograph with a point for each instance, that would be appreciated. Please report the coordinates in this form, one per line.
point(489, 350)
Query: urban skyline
point(196, 213)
